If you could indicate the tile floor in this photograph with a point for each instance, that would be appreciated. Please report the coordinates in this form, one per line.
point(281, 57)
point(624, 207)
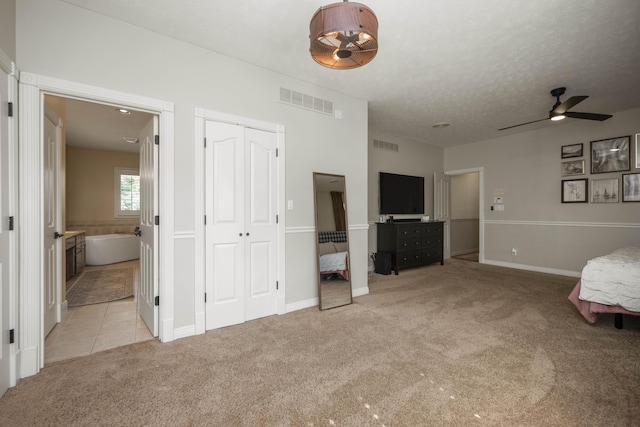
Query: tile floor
point(88, 329)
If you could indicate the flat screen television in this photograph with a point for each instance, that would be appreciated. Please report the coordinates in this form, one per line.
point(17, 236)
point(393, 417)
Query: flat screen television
point(401, 194)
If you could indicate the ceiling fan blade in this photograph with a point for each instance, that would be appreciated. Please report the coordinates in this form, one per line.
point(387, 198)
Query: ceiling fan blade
point(562, 108)
point(588, 116)
point(522, 124)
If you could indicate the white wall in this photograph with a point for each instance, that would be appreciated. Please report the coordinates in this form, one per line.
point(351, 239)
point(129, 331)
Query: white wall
point(67, 42)
point(8, 28)
point(526, 168)
point(412, 158)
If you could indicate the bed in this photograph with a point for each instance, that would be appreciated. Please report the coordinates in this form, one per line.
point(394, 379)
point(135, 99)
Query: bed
point(334, 255)
point(609, 284)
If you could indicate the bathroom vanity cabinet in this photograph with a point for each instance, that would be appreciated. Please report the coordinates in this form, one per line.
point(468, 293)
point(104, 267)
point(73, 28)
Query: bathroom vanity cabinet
point(75, 253)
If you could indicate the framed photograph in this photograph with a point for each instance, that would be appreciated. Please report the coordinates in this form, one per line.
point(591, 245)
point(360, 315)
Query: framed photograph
point(631, 187)
point(573, 167)
point(574, 150)
point(638, 151)
point(610, 155)
point(575, 190)
point(605, 190)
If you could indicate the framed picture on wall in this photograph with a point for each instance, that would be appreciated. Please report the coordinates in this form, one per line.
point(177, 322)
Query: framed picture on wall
point(575, 190)
point(573, 167)
point(610, 155)
point(574, 150)
point(605, 190)
point(631, 187)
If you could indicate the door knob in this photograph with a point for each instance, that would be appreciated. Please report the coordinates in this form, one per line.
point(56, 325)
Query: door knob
point(57, 235)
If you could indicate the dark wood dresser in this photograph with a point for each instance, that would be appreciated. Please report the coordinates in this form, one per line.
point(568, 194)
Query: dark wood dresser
point(412, 244)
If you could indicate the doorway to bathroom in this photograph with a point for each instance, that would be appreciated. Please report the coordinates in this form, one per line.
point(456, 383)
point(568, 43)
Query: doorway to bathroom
point(33, 259)
point(105, 175)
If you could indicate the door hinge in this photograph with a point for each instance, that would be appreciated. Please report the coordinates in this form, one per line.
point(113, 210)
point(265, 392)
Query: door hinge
point(205, 297)
point(205, 220)
point(157, 301)
point(277, 285)
point(276, 152)
point(10, 223)
point(12, 338)
point(157, 139)
point(10, 109)
point(205, 143)
point(157, 220)
point(276, 219)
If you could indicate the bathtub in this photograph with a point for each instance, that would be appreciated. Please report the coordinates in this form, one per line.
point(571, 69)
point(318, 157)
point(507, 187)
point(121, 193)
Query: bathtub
point(112, 248)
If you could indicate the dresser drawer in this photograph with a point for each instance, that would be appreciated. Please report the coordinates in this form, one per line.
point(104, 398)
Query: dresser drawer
point(407, 258)
point(408, 231)
point(432, 255)
point(410, 243)
point(432, 241)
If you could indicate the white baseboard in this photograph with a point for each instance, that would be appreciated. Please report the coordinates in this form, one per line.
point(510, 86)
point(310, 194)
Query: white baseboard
point(358, 292)
point(534, 268)
point(300, 305)
point(185, 331)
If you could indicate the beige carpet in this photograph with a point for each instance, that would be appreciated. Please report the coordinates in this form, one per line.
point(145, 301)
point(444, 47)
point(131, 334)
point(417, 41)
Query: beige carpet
point(99, 286)
point(464, 344)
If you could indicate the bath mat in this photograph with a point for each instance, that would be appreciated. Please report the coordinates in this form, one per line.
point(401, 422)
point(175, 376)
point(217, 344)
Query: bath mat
point(98, 286)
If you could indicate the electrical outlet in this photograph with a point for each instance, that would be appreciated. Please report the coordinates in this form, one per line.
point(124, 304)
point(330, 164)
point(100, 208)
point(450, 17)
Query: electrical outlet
point(514, 251)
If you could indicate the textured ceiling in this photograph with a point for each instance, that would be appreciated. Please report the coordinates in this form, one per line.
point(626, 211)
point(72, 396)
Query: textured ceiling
point(480, 65)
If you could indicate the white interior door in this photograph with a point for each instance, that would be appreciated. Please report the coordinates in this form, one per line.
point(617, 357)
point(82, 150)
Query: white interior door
point(261, 227)
point(442, 206)
point(52, 133)
point(225, 231)
point(5, 240)
point(148, 211)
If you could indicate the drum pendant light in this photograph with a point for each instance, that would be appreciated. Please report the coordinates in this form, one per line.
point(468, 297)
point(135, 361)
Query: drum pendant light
point(343, 35)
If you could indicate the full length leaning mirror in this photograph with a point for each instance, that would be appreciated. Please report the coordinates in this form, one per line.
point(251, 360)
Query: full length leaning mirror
point(332, 240)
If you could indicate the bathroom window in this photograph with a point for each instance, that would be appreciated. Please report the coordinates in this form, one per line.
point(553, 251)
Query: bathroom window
point(127, 192)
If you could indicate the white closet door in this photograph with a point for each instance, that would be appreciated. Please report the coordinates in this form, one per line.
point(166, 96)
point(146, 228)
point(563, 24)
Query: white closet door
point(260, 208)
point(241, 230)
point(225, 232)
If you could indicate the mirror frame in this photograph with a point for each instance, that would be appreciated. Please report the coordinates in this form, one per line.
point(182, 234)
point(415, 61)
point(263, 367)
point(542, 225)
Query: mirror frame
point(317, 239)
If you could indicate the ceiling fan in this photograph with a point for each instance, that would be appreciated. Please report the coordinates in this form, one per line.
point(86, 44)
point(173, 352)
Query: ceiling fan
point(560, 110)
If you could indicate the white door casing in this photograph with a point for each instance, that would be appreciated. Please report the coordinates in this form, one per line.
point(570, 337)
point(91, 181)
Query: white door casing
point(442, 206)
point(149, 231)
point(32, 87)
point(241, 231)
point(480, 172)
point(52, 228)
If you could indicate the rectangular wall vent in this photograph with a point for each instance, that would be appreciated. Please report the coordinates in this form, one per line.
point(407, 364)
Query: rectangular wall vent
point(305, 101)
point(384, 145)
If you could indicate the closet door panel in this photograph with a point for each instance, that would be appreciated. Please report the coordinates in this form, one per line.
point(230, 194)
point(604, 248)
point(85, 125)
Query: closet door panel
point(225, 230)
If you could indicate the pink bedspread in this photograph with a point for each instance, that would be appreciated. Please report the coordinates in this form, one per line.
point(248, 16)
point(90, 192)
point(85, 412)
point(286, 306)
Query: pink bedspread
point(590, 309)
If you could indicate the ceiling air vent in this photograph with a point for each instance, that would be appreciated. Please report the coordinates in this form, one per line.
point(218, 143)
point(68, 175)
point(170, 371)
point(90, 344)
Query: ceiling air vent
point(384, 145)
point(308, 102)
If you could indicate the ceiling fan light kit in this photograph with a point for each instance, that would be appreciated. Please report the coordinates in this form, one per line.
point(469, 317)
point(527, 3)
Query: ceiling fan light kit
point(560, 110)
point(343, 35)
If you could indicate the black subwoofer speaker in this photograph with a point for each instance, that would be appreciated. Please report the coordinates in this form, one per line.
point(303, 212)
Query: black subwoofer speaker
point(382, 263)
